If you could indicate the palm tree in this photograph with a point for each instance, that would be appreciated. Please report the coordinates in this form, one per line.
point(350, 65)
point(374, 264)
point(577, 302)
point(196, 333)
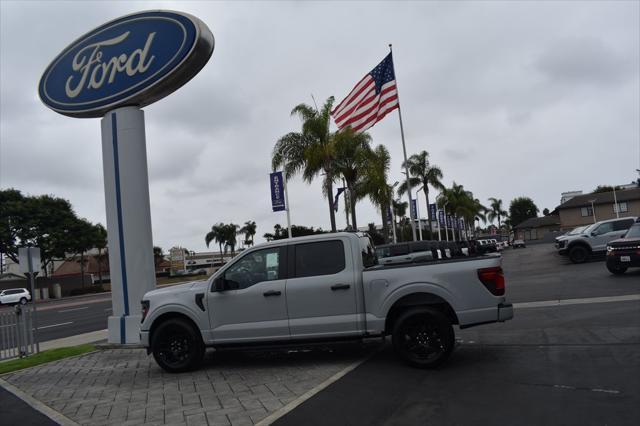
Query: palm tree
point(310, 151)
point(372, 183)
point(230, 231)
point(422, 172)
point(400, 210)
point(496, 211)
point(352, 151)
point(249, 230)
point(461, 203)
point(216, 234)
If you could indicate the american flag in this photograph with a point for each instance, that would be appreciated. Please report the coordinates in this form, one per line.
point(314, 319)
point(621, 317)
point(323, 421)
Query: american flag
point(373, 97)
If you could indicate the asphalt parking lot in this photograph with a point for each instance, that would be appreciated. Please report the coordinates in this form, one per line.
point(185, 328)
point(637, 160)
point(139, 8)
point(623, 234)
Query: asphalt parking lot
point(570, 356)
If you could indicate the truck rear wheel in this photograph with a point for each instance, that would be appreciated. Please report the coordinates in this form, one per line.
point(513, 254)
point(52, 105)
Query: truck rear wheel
point(578, 254)
point(423, 337)
point(177, 346)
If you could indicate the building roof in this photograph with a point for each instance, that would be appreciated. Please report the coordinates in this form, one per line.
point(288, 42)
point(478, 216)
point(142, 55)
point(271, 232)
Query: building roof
point(538, 222)
point(601, 198)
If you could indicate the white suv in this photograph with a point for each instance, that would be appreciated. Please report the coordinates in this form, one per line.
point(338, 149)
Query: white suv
point(14, 295)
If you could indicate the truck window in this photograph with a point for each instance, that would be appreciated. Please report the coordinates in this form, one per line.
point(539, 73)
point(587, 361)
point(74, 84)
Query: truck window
point(621, 225)
point(321, 258)
point(255, 267)
point(604, 228)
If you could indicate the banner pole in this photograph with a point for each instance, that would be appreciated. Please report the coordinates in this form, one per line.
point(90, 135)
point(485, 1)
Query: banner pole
point(404, 151)
point(286, 200)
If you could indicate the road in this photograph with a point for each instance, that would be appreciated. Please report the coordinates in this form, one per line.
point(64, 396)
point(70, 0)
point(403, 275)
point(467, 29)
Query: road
point(572, 364)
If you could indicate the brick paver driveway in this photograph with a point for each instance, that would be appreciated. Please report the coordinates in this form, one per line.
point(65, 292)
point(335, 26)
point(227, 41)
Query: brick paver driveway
point(126, 387)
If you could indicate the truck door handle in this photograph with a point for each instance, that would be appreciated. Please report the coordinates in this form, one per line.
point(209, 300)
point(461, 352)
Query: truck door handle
point(271, 293)
point(340, 287)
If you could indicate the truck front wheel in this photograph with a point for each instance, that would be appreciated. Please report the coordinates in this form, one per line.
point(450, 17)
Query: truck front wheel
point(423, 337)
point(177, 346)
point(578, 254)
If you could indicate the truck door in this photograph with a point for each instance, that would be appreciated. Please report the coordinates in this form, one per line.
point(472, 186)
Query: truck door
point(252, 306)
point(321, 289)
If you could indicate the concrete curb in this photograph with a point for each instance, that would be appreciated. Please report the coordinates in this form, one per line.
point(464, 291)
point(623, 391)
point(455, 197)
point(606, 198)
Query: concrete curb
point(104, 346)
point(37, 405)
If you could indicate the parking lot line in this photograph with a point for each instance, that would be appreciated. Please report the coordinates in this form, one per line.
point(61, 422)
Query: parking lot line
point(74, 309)
point(583, 301)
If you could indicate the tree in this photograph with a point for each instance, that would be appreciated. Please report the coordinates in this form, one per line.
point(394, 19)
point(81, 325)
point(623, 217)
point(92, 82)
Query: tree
point(83, 237)
point(216, 234)
point(372, 183)
point(230, 231)
point(545, 212)
point(310, 151)
point(496, 211)
point(158, 256)
point(400, 210)
point(422, 172)
point(42, 221)
point(461, 203)
point(249, 230)
point(521, 209)
point(375, 235)
point(296, 231)
point(605, 188)
point(352, 151)
point(100, 244)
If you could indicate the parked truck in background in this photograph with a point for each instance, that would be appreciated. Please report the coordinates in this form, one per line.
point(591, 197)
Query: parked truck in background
point(324, 288)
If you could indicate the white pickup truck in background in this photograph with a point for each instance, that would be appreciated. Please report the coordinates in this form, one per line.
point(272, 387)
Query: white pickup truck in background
point(324, 288)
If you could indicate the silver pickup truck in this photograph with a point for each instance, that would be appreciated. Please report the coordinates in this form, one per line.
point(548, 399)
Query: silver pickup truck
point(323, 288)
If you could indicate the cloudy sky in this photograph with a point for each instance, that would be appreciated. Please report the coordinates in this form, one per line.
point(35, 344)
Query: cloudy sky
point(509, 98)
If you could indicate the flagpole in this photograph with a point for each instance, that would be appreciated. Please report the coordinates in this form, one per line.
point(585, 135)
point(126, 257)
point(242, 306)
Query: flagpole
point(286, 200)
point(404, 151)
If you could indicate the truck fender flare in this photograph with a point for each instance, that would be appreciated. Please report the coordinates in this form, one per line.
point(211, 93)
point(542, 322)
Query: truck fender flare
point(174, 310)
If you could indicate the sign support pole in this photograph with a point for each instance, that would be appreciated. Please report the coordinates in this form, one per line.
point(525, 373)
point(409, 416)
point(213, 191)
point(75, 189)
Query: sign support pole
point(126, 185)
point(32, 282)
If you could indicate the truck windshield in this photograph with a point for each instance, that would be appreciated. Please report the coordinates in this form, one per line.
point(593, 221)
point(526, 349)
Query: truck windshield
point(369, 257)
point(633, 232)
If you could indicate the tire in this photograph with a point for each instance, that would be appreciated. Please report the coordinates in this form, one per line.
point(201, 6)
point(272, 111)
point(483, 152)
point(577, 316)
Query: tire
point(23, 301)
point(423, 337)
point(616, 269)
point(177, 346)
point(578, 254)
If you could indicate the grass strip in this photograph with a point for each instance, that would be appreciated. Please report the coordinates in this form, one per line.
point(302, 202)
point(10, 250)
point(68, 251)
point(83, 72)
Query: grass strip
point(44, 357)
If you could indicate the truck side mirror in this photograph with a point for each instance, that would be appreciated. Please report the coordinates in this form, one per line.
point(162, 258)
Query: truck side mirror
point(219, 284)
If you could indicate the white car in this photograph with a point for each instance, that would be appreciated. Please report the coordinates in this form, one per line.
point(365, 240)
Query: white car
point(14, 295)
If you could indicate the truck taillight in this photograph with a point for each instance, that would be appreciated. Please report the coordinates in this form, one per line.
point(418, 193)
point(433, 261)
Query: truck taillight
point(493, 280)
point(145, 309)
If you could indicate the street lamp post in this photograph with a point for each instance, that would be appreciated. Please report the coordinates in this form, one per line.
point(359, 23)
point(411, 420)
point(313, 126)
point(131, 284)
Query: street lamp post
point(593, 210)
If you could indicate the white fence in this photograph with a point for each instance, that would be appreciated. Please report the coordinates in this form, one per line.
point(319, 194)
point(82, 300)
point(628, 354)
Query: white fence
point(16, 332)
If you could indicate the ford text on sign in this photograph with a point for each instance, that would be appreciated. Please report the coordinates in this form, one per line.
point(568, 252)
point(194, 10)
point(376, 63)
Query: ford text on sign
point(133, 60)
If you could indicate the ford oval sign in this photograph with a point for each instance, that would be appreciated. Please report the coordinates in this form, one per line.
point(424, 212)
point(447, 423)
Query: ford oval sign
point(133, 60)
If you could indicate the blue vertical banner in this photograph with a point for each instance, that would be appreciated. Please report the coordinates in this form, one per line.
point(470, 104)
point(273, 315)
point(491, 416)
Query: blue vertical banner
point(389, 215)
point(277, 192)
point(448, 221)
point(461, 220)
point(441, 217)
point(432, 211)
point(414, 209)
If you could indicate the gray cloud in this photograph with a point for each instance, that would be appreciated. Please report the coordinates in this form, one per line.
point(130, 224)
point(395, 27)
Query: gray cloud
point(510, 98)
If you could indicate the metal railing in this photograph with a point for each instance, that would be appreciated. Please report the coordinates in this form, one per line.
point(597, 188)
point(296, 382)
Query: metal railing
point(16, 332)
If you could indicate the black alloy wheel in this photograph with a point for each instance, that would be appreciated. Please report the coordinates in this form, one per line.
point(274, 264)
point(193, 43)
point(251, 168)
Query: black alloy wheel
point(423, 337)
point(616, 269)
point(177, 346)
point(23, 301)
point(578, 254)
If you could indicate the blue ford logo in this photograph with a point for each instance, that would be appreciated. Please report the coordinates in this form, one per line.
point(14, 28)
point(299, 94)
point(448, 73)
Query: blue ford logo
point(133, 60)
